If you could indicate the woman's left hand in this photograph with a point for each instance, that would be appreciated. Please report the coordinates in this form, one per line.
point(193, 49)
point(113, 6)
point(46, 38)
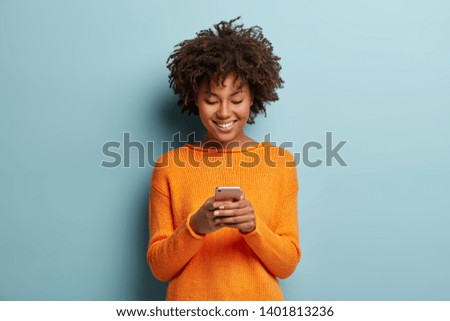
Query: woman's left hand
point(238, 214)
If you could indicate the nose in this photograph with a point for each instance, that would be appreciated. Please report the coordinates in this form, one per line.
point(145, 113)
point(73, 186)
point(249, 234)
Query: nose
point(224, 110)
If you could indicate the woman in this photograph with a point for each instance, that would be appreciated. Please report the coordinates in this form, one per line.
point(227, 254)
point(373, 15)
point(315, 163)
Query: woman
point(224, 250)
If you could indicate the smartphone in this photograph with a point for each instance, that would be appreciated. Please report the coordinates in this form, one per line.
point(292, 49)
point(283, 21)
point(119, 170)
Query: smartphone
point(228, 193)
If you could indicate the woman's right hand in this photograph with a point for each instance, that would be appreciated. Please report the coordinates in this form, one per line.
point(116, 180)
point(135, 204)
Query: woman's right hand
point(203, 222)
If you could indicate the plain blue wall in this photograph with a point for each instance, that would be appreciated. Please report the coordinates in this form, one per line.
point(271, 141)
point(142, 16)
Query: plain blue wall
point(77, 74)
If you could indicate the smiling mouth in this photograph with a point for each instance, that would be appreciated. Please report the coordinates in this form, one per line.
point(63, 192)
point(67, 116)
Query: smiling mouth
point(225, 125)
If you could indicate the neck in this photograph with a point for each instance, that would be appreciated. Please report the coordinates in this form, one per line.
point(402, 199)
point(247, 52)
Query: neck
point(246, 141)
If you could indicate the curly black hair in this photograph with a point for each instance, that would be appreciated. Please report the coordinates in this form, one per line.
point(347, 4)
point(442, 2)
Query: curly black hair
point(213, 55)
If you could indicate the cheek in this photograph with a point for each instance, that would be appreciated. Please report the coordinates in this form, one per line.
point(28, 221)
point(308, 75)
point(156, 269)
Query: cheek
point(245, 112)
point(201, 110)
point(204, 115)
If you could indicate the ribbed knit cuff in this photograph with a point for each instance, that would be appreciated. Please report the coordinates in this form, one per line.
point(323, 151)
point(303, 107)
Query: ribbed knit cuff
point(191, 231)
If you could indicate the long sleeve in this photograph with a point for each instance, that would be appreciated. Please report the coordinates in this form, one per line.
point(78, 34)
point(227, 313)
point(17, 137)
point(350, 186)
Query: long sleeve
point(169, 249)
point(279, 250)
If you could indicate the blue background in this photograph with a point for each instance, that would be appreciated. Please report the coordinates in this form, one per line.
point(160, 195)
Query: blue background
point(77, 74)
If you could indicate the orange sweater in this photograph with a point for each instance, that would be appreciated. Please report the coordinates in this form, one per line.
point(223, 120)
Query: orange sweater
point(226, 264)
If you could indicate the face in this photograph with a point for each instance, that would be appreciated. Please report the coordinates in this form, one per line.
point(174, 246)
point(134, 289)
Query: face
point(224, 111)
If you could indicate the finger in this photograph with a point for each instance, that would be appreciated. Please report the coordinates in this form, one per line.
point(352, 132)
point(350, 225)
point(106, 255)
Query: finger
point(209, 201)
point(233, 212)
point(210, 204)
point(232, 205)
point(244, 227)
point(235, 219)
point(218, 224)
point(236, 208)
point(218, 204)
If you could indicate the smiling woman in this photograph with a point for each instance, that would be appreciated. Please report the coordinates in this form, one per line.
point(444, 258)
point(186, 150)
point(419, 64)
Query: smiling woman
point(211, 249)
point(224, 110)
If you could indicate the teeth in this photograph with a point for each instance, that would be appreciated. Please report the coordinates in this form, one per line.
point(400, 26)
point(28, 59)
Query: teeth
point(225, 125)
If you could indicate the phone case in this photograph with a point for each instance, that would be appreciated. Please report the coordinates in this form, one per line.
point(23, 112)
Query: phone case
point(228, 193)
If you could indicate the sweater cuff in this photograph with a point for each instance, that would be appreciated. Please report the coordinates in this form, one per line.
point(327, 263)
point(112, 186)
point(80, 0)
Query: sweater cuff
point(191, 231)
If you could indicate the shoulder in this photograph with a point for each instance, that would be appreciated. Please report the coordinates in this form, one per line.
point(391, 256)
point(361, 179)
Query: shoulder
point(167, 161)
point(166, 167)
point(281, 156)
point(285, 165)
point(171, 158)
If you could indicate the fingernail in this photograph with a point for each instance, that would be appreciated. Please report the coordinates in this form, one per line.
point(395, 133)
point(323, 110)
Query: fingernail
point(221, 207)
point(216, 212)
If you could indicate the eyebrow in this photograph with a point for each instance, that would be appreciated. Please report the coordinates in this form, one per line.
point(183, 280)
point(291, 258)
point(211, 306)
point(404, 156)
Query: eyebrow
point(214, 94)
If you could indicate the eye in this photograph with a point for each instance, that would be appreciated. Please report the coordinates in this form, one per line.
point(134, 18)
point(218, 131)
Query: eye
point(209, 102)
point(237, 102)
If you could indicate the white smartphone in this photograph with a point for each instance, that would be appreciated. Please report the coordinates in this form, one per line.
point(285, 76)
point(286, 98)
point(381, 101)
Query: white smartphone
point(228, 193)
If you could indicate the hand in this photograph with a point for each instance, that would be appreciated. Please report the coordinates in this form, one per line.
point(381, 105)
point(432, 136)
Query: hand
point(239, 215)
point(203, 221)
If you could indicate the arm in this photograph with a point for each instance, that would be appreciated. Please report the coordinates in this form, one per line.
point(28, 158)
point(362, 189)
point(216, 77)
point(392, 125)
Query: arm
point(277, 244)
point(169, 249)
point(279, 249)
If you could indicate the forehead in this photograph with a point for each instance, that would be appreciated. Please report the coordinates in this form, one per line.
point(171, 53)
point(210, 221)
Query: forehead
point(228, 83)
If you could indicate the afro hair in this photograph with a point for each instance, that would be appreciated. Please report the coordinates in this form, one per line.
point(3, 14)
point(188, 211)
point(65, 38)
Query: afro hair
point(214, 54)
